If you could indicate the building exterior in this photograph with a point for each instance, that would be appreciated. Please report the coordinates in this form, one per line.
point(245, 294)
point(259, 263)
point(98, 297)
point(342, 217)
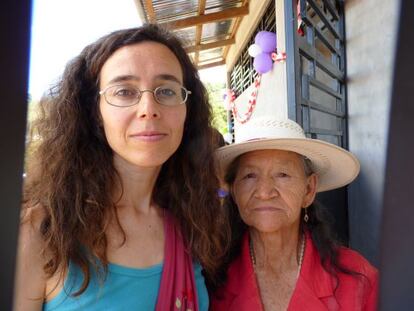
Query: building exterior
point(361, 87)
point(335, 81)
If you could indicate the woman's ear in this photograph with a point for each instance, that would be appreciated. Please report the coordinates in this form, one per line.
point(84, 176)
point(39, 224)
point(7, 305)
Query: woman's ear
point(311, 186)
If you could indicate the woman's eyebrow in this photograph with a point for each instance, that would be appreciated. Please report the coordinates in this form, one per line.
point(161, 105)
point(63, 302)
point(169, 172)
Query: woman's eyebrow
point(168, 77)
point(124, 78)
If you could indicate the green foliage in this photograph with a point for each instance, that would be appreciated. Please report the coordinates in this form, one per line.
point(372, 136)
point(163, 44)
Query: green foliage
point(215, 93)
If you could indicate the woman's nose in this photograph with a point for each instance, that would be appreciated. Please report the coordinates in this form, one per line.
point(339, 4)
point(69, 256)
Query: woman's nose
point(265, 189)
point(147, 106)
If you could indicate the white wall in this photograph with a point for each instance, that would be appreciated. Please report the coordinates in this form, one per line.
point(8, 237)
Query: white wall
point(271, 96)
point(370, 35)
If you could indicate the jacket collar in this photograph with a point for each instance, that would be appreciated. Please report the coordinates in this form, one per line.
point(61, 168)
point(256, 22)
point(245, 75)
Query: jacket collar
point(312, 272)
point(242, 283)
point(314, 283)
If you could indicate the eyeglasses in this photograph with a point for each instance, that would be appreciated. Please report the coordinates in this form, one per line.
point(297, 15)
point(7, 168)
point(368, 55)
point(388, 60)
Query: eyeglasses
point(124, 95)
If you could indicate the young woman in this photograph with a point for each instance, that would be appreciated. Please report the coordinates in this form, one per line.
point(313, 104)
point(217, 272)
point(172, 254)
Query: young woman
point(120, 205)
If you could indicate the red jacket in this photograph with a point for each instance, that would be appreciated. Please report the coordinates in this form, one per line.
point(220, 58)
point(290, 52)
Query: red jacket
point(315, 288)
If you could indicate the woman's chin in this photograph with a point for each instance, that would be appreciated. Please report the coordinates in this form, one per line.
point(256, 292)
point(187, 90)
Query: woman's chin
point(142, 160)
point(271, 224)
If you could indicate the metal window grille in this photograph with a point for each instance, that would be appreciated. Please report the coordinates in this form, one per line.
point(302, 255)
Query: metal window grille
point(320, 88)
point(321, 108)
point(243, 74)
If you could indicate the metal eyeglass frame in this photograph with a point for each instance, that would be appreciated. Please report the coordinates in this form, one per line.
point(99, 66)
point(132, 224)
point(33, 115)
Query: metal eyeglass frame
point(140, 92)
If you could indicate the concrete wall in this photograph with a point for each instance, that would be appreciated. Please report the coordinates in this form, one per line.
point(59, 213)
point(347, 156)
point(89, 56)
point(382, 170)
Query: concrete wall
point(370, 38)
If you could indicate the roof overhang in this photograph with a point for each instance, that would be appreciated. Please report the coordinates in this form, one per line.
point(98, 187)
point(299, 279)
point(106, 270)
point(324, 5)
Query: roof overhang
point(207, 27)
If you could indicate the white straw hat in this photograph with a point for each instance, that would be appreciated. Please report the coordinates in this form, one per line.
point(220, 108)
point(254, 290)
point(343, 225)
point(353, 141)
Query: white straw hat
point(334, 166)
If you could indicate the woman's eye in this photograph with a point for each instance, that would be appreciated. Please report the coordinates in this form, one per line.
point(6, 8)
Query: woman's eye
point(249, 175)
point(166, 92)
point(282, 175)
point(125, 92)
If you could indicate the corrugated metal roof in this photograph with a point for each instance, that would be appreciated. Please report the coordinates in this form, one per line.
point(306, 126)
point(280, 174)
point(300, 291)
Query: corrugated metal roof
point(207, 27)
point(216, 31)
point(220, 5)
point(187, 35)
point(166, 11)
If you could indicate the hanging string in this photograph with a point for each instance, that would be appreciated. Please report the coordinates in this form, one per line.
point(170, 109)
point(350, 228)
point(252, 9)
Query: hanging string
point(251, 105)
point(243, 118)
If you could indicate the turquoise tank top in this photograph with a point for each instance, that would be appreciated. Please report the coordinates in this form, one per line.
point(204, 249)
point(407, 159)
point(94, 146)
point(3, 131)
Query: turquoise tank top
point(124, 288)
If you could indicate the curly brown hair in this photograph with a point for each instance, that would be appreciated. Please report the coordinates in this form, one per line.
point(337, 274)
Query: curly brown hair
point(71, 173)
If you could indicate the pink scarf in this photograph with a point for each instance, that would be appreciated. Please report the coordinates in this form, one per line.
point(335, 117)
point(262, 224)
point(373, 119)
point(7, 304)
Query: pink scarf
point(177, 290)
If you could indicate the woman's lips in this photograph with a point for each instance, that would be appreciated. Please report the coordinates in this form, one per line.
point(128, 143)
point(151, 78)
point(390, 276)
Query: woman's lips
point(266, 209)
point(149, 136)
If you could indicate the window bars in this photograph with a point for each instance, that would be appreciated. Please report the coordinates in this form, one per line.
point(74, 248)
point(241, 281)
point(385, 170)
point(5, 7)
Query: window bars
point(321, 66)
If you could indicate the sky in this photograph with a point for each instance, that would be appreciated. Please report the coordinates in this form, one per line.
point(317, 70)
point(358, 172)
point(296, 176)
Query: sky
point(62, 28)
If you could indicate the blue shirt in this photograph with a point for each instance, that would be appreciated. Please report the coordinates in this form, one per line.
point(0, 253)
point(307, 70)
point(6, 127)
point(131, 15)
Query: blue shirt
point(123, 288)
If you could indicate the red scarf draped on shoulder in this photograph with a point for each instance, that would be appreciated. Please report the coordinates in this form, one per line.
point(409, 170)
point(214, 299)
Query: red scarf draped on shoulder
point(177, 290)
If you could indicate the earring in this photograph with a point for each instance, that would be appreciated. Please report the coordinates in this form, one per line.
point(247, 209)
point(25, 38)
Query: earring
point(306, 216)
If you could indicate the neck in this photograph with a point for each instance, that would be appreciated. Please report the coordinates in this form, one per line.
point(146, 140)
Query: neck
point(137, 186)
point(277, 251)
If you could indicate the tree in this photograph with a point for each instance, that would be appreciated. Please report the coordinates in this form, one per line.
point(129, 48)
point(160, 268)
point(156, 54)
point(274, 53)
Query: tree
point(215, 93)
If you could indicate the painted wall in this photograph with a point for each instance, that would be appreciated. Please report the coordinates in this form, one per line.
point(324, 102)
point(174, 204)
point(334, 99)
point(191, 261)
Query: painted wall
point(370, 38)
point(272, 94)
point(270, 100)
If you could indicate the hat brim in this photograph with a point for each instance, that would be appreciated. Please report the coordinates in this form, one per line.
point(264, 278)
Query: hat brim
point(334, 166)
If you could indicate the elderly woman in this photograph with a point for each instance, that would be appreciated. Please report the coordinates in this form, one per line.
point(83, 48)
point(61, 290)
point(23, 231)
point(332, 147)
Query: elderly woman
point(283, 256)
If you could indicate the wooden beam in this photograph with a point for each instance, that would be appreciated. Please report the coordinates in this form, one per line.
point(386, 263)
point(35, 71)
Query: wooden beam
point(236, 24)
point(235, 27)
point(211, 45)
point(207, 18)
point(201, 7)
point(150, 11)
point(209, 65)
point(199, 30)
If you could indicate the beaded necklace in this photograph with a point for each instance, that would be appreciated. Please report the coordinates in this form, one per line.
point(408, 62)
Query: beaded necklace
point(301, 253)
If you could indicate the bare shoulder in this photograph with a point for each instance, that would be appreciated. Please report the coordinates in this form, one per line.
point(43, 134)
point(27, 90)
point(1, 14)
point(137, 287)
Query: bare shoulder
point(30, 238)
point(32, 214)
point(30, 278)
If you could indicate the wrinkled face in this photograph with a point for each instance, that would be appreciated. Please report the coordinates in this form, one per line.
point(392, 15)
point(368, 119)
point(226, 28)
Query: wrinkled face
point(271, 188)
point(148, 133)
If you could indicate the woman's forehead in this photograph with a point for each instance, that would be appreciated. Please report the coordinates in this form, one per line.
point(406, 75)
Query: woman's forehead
point(142, 60)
